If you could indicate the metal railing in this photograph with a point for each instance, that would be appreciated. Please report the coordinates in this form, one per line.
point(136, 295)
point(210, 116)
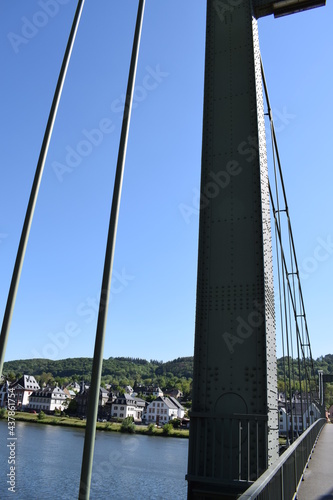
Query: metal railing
point(227, 447)
point(281, 481)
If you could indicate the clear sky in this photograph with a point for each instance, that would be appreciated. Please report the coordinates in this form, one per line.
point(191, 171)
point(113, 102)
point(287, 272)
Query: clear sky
point(152, 309)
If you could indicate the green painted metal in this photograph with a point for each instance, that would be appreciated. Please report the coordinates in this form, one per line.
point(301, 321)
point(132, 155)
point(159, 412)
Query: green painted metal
point(89, 442)
point(234, 421)
point(284, 7)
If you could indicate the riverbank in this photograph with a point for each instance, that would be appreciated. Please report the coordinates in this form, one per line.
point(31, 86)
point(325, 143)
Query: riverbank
point(100, 426)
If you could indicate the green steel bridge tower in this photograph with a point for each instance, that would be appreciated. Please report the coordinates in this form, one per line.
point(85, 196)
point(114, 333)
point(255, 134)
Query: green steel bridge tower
point(234, 420)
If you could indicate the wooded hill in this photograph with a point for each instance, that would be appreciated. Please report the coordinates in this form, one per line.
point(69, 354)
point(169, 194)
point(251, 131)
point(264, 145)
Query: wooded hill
point(128, 371)
point(116, 371)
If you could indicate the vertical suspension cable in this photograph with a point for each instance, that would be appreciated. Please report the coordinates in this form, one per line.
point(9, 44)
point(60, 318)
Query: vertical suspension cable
point(289, 358)
point(300, 384)
point(89, 442)
point(35, 187)
point(303, 343)
point(293, 297)
point(293, 395)
point(282, 332)
point(298, 340)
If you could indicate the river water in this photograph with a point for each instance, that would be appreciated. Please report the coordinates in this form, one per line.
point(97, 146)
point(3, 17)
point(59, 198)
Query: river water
point(48, 464)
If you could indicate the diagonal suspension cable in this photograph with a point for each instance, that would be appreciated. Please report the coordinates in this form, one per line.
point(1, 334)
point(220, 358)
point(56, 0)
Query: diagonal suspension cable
point(35, 188)
point(89, 441)
point(286, 211)
point(292, 309)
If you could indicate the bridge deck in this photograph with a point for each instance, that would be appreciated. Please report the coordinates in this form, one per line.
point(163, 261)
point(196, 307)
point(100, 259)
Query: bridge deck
point(318, 478)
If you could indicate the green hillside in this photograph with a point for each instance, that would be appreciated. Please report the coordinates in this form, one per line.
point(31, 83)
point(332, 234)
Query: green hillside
point(128, 371)
point(117, 371)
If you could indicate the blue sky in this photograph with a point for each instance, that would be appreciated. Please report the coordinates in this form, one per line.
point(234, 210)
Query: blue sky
point(152, 307)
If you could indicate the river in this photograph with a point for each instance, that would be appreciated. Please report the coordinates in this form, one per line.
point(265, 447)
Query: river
point(48, 464)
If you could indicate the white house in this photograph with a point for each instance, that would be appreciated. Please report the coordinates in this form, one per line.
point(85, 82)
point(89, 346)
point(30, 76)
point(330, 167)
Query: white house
point(73, 386)
point(281, 397)
point(301, 418)
point(181, 410)
point(148, 390)
point(162, 410)
point(70, 394)
point(156, 391)
point(23, 388)
point(4, 394)
point(128, 406)
point(48, 399)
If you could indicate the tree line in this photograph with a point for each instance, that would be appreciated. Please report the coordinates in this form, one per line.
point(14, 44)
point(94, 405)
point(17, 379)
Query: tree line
point(123, 371)
point(118, 372)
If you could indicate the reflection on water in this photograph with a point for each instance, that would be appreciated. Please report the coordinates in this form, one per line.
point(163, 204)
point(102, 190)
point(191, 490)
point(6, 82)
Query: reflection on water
point(48, 464)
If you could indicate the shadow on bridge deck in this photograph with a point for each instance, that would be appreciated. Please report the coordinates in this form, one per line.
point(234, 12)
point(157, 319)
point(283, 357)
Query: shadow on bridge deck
point(318, 477)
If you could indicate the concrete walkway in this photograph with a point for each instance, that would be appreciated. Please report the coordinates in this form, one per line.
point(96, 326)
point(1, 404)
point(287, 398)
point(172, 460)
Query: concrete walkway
point(318, 478)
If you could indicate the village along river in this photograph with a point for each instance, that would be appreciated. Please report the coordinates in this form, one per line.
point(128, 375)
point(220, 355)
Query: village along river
point(48, 464)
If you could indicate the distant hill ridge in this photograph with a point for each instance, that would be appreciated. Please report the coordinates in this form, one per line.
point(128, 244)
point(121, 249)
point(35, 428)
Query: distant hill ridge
point(127, 368)
point(120, 366)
